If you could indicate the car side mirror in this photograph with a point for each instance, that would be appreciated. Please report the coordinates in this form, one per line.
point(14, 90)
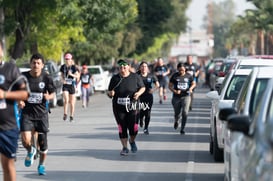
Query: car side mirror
point(240, 123)
point(225, 113)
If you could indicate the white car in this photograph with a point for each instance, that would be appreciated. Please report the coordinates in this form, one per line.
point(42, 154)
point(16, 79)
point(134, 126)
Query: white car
point(243, 66)
point(250, 62)
point(101, 78)
point(228, 93)
point(246, 104)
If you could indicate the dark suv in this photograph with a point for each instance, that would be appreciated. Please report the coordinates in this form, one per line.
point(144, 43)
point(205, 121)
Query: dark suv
point(52, 69)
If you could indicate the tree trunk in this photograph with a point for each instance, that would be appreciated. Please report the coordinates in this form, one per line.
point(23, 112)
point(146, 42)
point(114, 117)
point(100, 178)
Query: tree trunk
point(18, 48)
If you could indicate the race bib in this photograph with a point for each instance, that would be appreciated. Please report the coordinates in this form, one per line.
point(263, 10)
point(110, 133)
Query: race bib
point(123, 100)
point(85, 79)
point(35, 98)
point(190, 72)
point(182, 86)
point(3, 104)
point(68, 81)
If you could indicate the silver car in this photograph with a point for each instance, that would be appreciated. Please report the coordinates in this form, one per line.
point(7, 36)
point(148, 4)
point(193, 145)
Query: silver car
point(256, 149)
point(245, 104)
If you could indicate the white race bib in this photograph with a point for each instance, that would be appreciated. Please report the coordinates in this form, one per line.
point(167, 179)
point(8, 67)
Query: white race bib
point(123, 100)
point(68, 81)
point(182, 86)
point(35, 98)
point(3, 104)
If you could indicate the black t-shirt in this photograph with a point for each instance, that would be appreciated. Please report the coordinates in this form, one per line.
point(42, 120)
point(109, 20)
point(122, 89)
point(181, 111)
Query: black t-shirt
point(65, 69)
point(182, 83)
point(148, 81)
point(191, 68)
point(85, 78)
point(35, 106)
point(125, 87)
point(160, 70)
point(8, 75)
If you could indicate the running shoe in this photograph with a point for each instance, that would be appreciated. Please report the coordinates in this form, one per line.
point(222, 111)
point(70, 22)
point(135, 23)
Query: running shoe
point(175, 125)
point(160, 102)
point(165, 97)
point(30, 157)
point(71, 118)
point(41, 170)
point(133, 147)
point(65, 117)
point(182, 132)
point(124, 151)
point(146, 131)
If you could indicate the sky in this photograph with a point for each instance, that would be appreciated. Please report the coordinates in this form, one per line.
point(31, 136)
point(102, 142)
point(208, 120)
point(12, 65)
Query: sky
point(197, 10)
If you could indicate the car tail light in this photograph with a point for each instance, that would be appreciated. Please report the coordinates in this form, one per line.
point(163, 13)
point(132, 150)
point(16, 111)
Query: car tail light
point(221, 74)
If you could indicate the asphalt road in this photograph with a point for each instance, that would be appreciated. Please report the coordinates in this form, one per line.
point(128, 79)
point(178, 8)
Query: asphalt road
point(88, 149)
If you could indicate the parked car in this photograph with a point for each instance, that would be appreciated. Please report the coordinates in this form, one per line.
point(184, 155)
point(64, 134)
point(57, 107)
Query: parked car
point(256, 150)
point(250, 62)
point(246, 103)
point(225, 68)
point(228, 93)
point(101, 78)
point(212, 71)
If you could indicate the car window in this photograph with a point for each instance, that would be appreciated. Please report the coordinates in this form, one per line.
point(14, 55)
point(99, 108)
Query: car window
point(258, 90)
point(94, 70)
point(269, 115)
point(223, 84)
point(234, 87)
point(242, 97)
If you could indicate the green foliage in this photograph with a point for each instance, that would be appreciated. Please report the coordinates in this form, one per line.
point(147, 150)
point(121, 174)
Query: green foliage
point(94, 31)
point(244, 31)
point(160, 47)
point(223, 17)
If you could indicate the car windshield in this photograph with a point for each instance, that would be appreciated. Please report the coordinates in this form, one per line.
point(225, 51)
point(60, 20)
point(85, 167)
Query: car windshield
point(234, 87)
point(94, 70)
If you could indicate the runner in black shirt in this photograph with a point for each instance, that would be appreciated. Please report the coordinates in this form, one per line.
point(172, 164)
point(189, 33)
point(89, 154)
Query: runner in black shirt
point(194, 70)
point(125, 88)
point(11, 91)
point(182, 85)
point(35, 111)
point(146, 99)
point(70, 74)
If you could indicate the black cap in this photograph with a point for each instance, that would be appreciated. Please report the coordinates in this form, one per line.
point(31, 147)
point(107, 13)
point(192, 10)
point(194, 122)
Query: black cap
point(123, 62)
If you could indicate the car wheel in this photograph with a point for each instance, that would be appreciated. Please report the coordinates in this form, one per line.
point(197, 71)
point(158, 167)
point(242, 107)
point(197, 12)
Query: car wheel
point(53, 103)
point(217, 152)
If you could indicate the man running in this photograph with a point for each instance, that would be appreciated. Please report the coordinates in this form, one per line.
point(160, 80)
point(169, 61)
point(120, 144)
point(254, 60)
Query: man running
point(194, 70)
point(34, 116)
point(12, 89)
point(162, 71)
